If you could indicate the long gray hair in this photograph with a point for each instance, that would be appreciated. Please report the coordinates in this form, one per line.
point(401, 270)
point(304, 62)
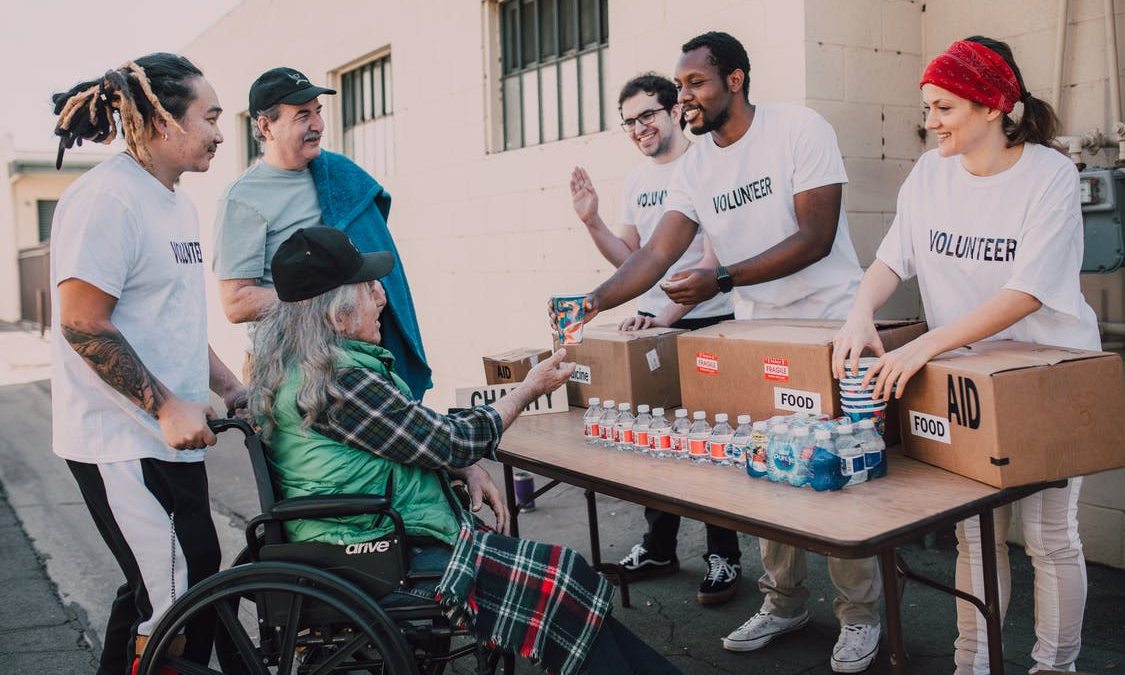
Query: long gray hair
point(300, 336)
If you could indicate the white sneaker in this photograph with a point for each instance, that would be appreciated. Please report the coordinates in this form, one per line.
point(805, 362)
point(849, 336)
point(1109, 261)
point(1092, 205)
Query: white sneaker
point(762, 628)
point(856, 648)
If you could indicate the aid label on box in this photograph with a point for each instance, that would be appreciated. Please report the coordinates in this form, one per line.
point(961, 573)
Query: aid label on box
point(796, 400)
point(705, 363)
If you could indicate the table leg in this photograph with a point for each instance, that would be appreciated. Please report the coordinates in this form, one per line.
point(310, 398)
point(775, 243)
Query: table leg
point(892, 599)
point(609, 569)
point(513, 505)
point(991, 592)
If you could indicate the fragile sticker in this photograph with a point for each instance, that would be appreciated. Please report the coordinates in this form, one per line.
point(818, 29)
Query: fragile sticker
point(705, 363)
point(776, 369)
point(653, 360)
point(581, 374)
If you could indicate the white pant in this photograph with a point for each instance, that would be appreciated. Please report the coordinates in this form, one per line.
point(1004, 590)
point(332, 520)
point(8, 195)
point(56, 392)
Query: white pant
point(1050, 529)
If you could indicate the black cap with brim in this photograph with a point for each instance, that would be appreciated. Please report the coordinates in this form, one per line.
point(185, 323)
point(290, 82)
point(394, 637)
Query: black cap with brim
point(283, 85)
point(315, 260)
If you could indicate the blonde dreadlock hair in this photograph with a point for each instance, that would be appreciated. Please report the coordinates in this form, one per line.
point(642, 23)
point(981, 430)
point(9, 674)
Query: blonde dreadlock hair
point(139, 91)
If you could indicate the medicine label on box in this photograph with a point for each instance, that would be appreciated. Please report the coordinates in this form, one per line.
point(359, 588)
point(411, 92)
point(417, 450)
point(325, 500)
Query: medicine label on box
point(581, 374)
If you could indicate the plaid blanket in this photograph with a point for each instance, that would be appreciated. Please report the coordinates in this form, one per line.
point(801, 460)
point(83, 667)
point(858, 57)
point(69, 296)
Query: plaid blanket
point(539, 600)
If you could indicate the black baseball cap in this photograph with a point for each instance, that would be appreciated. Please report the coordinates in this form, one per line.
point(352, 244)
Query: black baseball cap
point(314, 260)
point(283, 85)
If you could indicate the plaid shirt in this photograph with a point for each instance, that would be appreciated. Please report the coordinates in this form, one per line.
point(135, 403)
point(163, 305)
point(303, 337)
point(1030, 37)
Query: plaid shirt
point(373, 415)
point(540, 600)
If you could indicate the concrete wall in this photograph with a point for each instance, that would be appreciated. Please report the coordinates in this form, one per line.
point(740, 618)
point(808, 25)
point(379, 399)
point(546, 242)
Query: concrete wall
point(487, 236)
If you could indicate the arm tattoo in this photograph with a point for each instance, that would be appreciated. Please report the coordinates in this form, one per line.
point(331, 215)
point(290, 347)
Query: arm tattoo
point(113, 359)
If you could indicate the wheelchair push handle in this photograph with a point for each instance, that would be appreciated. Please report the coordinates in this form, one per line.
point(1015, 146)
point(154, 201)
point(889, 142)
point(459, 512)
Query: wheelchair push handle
point(218, 426)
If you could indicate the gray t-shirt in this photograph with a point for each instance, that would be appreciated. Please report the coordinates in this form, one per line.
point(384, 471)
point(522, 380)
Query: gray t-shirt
point(259, 211)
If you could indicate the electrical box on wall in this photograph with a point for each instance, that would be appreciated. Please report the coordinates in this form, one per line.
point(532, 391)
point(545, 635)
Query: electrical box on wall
point(1103, 210)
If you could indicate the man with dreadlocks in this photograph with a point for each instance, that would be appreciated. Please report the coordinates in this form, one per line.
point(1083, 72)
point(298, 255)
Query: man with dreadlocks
point(296, 185)
point(131, 363)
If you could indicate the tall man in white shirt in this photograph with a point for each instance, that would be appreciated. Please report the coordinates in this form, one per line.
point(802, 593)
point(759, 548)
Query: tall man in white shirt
point(764, 182)
point(651, 116)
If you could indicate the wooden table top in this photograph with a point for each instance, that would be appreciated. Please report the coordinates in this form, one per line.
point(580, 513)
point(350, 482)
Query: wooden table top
point(913, 498)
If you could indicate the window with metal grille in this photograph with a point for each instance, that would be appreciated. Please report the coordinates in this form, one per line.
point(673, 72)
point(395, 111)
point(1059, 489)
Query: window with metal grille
point(46, 209)
point(253, 148)
point(552, 60)
point(366, 102)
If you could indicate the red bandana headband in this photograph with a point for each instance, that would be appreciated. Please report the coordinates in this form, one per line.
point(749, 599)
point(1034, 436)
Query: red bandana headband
point(975, 72)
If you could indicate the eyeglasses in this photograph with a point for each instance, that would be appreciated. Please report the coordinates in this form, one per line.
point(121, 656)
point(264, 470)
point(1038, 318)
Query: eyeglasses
point(644, 119)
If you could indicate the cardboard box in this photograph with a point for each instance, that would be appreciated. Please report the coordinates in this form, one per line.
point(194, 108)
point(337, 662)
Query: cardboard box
point(771, 367)
point(512, 366)
point(1010, 413)
point(637, 366)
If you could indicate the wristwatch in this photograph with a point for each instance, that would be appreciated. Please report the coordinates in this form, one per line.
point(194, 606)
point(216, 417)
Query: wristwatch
point(722, 277)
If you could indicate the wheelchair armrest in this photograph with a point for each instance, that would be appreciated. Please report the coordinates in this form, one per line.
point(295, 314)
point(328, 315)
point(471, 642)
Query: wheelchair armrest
point(328, 506)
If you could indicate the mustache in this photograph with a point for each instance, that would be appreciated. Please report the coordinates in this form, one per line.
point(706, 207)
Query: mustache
point(311, 136)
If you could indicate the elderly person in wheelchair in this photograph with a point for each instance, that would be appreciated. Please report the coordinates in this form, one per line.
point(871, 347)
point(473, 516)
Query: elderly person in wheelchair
point(338, 420)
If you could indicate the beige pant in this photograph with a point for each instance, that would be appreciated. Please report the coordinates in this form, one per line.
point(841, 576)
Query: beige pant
point(858, 582)
point(1050, 529)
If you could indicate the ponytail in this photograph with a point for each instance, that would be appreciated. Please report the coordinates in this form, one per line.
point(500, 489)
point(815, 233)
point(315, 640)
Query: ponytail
point(153, 86)
point(1038, 124)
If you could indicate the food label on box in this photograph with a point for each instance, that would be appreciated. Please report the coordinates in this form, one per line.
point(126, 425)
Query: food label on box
point(796, 400)
point(776, 369)
point(653, 360)
point(581, 374)
point(930, 426)
point(705, 363)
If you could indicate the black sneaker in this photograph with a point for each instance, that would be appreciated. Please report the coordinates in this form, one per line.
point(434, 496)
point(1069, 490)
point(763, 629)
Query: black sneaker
point(721, 581)
point(640, 564)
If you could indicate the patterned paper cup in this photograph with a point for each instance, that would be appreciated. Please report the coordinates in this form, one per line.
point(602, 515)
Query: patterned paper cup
point(877, 414)
point(569, 310)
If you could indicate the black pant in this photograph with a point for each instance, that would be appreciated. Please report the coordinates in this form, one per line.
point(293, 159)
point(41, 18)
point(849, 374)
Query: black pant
point(180, 489)
point(660, 540)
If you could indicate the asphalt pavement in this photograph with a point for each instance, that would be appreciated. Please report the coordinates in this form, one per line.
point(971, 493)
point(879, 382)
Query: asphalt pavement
point(57, 577)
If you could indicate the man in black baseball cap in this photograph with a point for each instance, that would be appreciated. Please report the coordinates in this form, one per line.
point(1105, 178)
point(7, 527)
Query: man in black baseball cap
point(296, 186)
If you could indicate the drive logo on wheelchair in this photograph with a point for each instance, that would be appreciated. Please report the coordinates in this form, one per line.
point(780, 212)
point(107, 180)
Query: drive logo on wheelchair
point(368, 547)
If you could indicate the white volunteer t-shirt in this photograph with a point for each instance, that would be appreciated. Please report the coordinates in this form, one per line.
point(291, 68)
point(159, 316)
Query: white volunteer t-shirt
point(967, 237)
point(742, 197)
point(646, 186)
point(119, 229)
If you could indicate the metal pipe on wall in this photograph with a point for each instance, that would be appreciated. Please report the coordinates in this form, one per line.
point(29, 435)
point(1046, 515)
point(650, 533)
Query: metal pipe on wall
point(1113, 74)
point(1060, 51)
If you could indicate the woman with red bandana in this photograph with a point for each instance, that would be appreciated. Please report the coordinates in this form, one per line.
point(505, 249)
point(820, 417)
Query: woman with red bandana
point(990, 222)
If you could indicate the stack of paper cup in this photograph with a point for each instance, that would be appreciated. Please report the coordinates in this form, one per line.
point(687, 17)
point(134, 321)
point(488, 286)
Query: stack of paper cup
point(855, 399)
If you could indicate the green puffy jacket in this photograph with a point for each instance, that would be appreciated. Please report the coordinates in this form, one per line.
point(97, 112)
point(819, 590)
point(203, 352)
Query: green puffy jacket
point(305, 462)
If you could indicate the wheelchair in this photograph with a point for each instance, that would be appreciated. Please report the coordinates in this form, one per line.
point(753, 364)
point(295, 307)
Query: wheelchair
point(312, 608)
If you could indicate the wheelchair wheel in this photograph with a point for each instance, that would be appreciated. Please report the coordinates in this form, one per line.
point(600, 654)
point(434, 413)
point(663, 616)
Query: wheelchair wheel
point(282, 619)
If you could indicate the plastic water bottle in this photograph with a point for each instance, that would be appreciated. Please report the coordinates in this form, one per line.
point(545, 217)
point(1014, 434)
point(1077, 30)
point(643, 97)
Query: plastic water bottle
point(623, 427)
point(659, 435)
point(825, 464)
point(679, 435)
point(874, 449)
point(592, 420)
point(606, 426)
point(804, 447)
point(850, 449)
point(779, 454)
point(756, 449)
point(718, 441)
point(640, 429)
point(739, 445)
point(698, 435)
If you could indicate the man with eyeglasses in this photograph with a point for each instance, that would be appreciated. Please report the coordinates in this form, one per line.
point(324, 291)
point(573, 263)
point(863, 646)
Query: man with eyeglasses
point(651, 116)
point(765, 182)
